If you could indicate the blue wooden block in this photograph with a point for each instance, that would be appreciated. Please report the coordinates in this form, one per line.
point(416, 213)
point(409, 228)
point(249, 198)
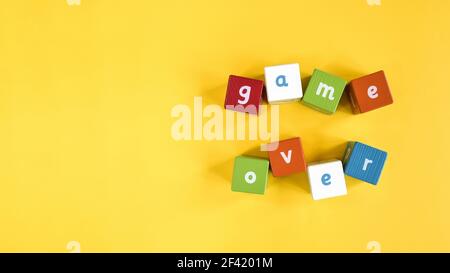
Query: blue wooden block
point(364, 162)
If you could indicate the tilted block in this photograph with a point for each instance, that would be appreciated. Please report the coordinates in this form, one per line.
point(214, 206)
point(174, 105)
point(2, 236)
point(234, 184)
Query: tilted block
point(283, 83)
point(326, 179)
point(364, 162)
point(288, 158)
point(243, 94)
point(250, 175)
point(370, 92)
point(324, 91)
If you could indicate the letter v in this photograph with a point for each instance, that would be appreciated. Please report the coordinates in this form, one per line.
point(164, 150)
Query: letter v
point(287, 158)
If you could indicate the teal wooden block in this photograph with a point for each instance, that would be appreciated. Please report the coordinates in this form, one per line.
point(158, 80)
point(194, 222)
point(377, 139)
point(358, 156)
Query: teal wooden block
point(324, 92)
point(364, 162)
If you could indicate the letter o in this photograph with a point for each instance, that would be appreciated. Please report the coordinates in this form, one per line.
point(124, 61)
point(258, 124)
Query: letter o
point(250, 177)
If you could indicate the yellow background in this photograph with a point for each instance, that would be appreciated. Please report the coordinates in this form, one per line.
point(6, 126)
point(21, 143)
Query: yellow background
point(86, 152)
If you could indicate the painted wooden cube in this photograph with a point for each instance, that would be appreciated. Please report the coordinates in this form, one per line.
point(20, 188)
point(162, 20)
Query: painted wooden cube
point(370, 92)
point(326, 179)
point(250, 175)
point(288, 158)
point(243, 94)
point(324, 91)
point(283, 83)
point(364, 162)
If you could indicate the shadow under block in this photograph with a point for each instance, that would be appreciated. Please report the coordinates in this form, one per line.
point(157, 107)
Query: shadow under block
point(283, 83)
point(243, 94)
point(288, 158)
point(370, 92)
point(324, 92)
point(250, 175)
point(364, 162)
point(327, 179)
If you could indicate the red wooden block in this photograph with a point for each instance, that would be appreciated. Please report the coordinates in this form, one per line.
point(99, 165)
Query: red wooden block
point(288, 158)
point(370, 92)
point(243, 94)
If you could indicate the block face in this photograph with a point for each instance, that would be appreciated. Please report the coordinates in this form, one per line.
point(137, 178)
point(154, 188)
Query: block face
point(288, 158)
point(364, 162)
point(243, 94)
point(250, 175)
point(326, 179)
point(283, 83)
point(324, 91)
point(370, 92)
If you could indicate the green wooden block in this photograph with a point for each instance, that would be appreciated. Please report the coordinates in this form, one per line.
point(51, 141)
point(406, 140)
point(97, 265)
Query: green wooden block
point(324, 92)
point(250, 174)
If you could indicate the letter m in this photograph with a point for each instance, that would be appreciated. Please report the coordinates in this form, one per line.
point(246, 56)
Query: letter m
point(325, 90)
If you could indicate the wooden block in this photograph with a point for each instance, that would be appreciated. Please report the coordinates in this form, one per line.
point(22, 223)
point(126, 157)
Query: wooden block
point(288, 158)
point(250, 175)
point(327, 179)
point(283, 83)
point(324, 91)
point(364, 162)
point(243, 94)
point(370, 92)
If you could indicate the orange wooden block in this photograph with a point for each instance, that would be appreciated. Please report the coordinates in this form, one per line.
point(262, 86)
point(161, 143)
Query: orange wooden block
point(370, 92)
point(288, 158)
